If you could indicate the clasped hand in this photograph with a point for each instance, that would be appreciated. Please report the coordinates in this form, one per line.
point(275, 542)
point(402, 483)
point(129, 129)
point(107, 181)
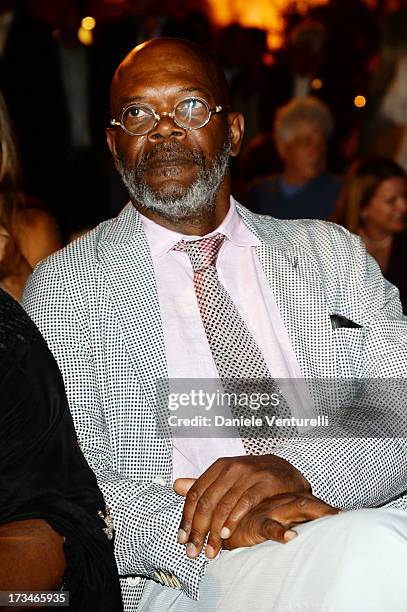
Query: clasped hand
point(242, 501)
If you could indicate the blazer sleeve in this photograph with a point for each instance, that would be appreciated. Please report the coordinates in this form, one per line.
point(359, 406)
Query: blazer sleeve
point(360, 460)
point(146, 515)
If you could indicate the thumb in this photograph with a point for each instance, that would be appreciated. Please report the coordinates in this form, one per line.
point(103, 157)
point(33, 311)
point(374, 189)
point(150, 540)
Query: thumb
point(182, 485)
point(272, 530)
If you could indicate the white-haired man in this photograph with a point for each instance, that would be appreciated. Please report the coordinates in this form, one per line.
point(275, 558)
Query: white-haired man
point(304, 189)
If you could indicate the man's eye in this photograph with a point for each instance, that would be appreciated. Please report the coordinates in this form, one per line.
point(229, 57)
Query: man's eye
point(196, 105)
point(136, 113)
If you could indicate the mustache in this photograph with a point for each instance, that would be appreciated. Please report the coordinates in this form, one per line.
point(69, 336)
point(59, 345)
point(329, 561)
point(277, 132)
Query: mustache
point(168, 152)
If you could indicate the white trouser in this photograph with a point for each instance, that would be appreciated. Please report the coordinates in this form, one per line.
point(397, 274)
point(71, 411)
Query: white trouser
point(351, 562)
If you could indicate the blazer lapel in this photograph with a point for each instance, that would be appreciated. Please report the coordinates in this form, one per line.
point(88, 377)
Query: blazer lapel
point(125, 258)
point(299, 295)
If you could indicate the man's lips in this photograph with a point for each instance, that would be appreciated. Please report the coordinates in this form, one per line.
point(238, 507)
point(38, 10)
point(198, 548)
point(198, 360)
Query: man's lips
point(166, 163)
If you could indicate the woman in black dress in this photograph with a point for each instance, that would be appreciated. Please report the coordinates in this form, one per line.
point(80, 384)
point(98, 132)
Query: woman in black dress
point(53, 526)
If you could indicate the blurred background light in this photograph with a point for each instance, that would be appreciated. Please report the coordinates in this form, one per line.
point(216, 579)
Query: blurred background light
point(262, 14)
point(88, 23)
point(316, 84)
point(359, 101)
point(85, 37)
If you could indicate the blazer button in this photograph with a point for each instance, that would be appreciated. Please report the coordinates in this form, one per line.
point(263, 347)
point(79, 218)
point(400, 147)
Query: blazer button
point(133, 580)
point(160, 481)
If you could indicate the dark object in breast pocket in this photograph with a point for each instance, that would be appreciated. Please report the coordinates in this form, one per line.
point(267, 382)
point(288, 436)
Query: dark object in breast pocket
point(337, 321)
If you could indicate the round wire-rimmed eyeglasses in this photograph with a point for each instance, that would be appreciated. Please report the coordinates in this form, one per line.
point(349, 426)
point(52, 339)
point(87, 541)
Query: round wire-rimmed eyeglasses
point(189, 114)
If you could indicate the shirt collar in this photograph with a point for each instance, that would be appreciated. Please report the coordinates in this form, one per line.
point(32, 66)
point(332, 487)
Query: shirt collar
point(161, 239)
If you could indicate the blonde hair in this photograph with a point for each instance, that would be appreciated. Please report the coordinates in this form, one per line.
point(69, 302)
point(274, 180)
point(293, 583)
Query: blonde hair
point(359, 186)
point(10, 196)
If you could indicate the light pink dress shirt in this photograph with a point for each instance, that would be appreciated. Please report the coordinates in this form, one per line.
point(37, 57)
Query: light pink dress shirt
point(187, 349)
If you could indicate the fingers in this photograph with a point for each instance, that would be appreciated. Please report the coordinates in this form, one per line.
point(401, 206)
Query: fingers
point(193, 496)
point(227, 475)
point(213, 546)
point(270, 530)
point(200, 505)
point(273, 530)
point(182, 485)
point(304, 508)
point(230, 511)
point(256, 529)
point(274, 518)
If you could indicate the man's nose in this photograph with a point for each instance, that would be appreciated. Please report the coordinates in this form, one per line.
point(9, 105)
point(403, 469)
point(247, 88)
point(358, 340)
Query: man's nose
point(166, 128)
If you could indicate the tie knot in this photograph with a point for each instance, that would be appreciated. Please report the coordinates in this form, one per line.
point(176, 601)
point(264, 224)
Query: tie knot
point(202, 253)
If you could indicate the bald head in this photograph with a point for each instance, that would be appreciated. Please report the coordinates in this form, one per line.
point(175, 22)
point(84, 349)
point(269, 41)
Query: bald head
point(169, 55)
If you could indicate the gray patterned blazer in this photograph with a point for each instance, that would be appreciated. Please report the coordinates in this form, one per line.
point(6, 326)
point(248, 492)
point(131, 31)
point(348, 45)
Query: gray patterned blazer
point(96, 304)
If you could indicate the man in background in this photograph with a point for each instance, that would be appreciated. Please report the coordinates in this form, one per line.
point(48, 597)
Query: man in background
point(304, 189)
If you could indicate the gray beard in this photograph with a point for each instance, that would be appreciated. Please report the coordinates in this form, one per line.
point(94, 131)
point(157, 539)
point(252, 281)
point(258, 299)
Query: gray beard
point(178, 203)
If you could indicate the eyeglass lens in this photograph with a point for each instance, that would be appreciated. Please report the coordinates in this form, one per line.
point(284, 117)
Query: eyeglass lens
point(190, 113)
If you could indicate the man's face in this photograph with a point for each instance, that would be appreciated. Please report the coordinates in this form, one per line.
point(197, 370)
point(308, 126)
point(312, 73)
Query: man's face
point(170, 169)
point(305, 152)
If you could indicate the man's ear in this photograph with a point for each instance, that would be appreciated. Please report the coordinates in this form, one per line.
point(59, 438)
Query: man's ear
point(236, 127)
point(111, 141)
